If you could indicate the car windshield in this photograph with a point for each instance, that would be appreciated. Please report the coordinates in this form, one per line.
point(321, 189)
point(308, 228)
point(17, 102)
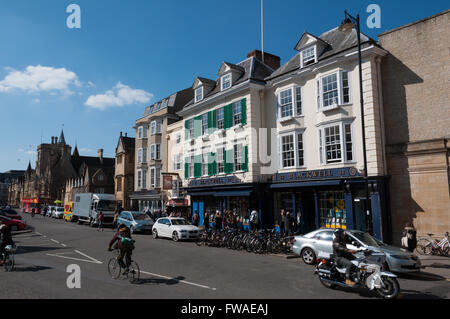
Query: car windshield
point(366, 239)
point(179, 222)
point(106, 205)
point(60, 209)
point(140, 216)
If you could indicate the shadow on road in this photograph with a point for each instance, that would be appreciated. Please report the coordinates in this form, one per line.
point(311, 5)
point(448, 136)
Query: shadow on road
point(159, 281)
point(30, 268)
point(414, 294)
point(33, 249)
point(422, 276)
point(439, 265)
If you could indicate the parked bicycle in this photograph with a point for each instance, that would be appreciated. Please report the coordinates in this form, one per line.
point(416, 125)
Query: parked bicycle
point(430, 246)
point(133, 273)
point(260, 242)
point(8, 257)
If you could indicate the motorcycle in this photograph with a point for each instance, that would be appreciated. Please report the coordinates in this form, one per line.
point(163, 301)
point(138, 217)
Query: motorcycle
point(369, 274)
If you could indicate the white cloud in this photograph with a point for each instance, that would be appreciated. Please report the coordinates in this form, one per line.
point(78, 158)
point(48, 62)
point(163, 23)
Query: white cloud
point(118, 96)
point(29, 152)
point(40, 79)
point(86, 150)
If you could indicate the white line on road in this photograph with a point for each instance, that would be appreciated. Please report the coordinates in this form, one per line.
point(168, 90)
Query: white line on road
point(73, 258)
point(93, 259)
point(63, 245)
point(182, 281)
point(55, 241)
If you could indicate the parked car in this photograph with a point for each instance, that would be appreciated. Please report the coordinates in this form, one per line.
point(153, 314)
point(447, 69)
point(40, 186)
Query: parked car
point(309, 246)
point(11, 213)
point(50, 211)
point(136, 221)
point(176, 228)
point(14, 224)
point(58, 212)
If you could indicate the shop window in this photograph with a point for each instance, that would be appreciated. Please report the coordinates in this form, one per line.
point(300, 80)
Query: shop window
point(332, 209)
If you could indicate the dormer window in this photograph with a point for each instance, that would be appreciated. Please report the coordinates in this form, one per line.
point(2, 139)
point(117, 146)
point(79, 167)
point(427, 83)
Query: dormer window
point(308, 56)
point(199, 94)
point(226, 81)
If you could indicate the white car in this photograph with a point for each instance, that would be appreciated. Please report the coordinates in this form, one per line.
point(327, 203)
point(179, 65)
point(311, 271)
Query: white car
point(175, 228)
point(58, 212)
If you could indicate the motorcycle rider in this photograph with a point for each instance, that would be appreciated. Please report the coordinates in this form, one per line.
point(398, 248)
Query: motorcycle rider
point(343, 255)
point(5, 240)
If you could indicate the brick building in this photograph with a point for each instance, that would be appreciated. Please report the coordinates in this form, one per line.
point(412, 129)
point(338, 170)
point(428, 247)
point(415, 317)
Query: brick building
point(124, 172)
point(416, 97)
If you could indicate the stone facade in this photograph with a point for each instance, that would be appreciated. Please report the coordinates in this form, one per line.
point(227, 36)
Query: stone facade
point(416, 98)
point(124, 172)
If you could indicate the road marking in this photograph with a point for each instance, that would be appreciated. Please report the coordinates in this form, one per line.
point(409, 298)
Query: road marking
point(93, 259)
point(38, 233)
point(182, 281)
point(55, 241)
point(63, 245)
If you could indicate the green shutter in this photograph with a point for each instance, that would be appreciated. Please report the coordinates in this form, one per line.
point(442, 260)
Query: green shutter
point(198, 166)
point(197, 126)
point(212, 167)
point(228, 116)
point(244, 111)
point(186, 168)
point(245, 164)
point(210, 123)
point(229, 161)
point(186, 132)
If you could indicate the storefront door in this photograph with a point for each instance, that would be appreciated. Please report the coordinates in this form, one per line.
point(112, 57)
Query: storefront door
point(360, 215)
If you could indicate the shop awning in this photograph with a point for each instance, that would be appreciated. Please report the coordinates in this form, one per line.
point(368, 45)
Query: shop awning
point(232, 193)
point(306, 184)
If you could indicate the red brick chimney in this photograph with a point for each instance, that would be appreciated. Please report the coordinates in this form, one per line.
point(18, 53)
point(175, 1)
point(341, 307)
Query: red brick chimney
point(271, 60)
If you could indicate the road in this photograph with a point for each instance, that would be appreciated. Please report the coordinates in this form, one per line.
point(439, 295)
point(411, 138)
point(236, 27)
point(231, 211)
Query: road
point(170, 270)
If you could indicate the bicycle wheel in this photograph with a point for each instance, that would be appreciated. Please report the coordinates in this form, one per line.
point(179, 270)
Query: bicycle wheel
point(114, 268)
point(446, 250)
point(9, 263)
point(134, 273)
point(424, 246)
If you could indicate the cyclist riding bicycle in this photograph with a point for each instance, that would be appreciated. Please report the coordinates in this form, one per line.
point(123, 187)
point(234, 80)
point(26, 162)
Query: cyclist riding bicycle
point(5, 240)
point(125, 244)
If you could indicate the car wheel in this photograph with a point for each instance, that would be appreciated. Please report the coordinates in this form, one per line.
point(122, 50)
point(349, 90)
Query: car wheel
point(175, 236)
point(155, 234)
point(131, 230)
point(308, 256)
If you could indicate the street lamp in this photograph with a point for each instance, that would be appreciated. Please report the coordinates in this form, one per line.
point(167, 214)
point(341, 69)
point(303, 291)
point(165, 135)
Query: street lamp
point(347, 26)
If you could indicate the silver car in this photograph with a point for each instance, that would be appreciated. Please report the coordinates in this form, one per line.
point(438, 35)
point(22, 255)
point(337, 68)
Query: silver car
point(309, 246)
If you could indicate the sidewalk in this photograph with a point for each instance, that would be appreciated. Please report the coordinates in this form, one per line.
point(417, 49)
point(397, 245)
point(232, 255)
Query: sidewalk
point(436, 265)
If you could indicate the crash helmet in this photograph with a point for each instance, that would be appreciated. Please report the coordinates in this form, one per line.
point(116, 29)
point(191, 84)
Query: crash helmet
point(3, 227)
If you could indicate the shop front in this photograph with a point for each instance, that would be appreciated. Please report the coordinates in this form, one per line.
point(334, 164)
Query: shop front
point(148, 200)
point(332, 198)
point(179, 207)
point(228, 194)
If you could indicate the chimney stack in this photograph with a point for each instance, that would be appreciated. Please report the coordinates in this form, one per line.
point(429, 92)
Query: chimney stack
point(100, 155)
point(53, 140)
point(120, 134)
point(56, 140)
point(126, 134)
point(269, 59)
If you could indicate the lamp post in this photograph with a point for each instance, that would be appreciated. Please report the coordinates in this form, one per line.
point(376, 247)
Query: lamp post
point(347, 26)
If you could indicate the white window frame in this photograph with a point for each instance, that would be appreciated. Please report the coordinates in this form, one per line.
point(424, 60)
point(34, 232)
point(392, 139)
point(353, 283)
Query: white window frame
point(222, 81)
point(238, 149)
point(140, 156)
point(177, 162)
point(158, 127)
point(153, 127)
point(204, 124)
point(144, 178)
point(340, 90)
point(220, 160)
point(239, 107)
point(153, 151)
point(158, 152)
point(198, 94)
point(140, 132)
point(144, 155)
point(293, 89)
point(152, 177)
point(294, 134)
point(205, 167)
point(191, 166)
point(191, 129)
point(323, 160)
point(222, 120)
point(313, 58)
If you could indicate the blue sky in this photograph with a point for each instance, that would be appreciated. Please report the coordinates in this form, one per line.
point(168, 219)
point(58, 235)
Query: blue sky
point(97, 80)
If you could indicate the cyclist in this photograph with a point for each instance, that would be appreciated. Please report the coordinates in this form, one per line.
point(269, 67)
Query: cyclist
point(125, 244)
point(5, 240)
point(343, 255)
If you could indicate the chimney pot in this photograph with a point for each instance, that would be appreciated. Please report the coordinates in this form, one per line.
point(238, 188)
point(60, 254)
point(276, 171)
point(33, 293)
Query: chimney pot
point(100, 155)
point(126, 134)
point(56, 140)
point(120, 134)
point(53, 140)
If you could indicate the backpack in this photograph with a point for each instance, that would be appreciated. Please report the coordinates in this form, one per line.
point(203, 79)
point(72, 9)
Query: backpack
point(127, 242)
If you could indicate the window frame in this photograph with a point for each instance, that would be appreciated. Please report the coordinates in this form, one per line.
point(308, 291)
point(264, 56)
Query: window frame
point(204, 124)
point(237, 105)
point(295, 134)
point(313, 59)
point(140, 132)
point(323, 158)
point(198, 96)
point(140, 156)
point(177, 162)
point(205, 168)
point(222, 120)
point(222, 88)
point(191, 166)
point(340, 90)
point(294, 102)
point(220, 161)
point(238, 166)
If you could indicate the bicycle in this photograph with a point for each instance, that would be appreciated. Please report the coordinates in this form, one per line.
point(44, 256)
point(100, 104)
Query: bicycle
point(428, 246)
point(133, 273)
point(9, 257)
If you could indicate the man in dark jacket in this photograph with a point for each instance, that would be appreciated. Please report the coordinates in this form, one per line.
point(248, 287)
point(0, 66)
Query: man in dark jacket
point(5, 240)
point(343, 255)
point(125, 244)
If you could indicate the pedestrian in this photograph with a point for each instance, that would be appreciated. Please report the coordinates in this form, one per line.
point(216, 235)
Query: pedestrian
point(100, 220)
point(32, 212)
point(116, 217)
point(218, 220)
point(225, 221)
point(287, 223)
point(254, 220)
point(409, 239)
point(206, 222)
point(283, 218)
point(45, 211)
point(196, 219)
point(299, 220)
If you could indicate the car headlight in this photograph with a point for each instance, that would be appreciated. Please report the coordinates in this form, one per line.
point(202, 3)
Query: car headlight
point(400, 257)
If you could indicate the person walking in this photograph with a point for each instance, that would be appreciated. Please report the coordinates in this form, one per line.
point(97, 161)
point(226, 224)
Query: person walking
point(283, 219)
point(287, 223)
point(218, 220)
point(409, 238)
point(100, 220)
point(33, 212)
point(206, 222)
point(254, 220)
point(196, 219)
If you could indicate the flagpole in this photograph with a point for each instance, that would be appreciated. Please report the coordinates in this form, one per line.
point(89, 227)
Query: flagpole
point(262, 29)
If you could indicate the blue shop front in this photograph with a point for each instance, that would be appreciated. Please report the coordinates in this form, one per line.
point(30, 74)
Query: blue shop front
point(332, 198)
point(209, 195)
